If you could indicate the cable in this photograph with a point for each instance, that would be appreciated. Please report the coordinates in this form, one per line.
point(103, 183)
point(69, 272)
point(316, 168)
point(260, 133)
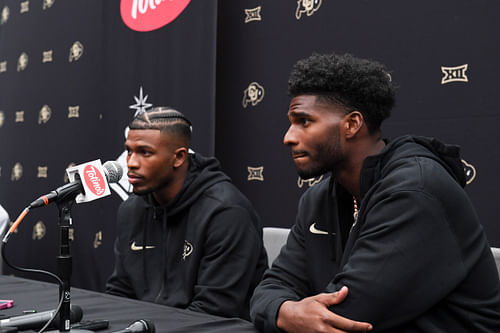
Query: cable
point(30, 270)
point(47, 324)
point(15, 224)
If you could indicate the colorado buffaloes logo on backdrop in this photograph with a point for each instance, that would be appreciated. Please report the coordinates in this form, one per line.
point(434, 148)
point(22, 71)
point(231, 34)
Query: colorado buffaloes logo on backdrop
point(454, 74)
point(44, 114)
point(147, 15)
point(470, 172)
point(17, 172)
point(47, 4)
point(253, 94)
point(308, 7)
point(3, 66)
point(76, 51)
point(39, 231)
point(253, 14)
point(5, 15)
point(22, 62)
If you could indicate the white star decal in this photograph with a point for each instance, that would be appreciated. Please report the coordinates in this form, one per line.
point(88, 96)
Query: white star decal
point(140, 103)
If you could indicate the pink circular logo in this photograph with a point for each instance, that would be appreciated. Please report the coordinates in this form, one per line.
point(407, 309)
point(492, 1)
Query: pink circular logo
point(94, 180)
point(147, 15)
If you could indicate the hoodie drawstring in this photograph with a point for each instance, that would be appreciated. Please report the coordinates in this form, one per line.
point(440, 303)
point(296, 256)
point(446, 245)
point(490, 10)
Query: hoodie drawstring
point(144, 240)
point(329, 222)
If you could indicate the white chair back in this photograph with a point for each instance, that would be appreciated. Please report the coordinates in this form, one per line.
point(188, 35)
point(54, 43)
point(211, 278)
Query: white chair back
point(274, 239)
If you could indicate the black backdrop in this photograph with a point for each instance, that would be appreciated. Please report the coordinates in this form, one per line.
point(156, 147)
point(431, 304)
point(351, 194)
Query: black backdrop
point(206, 63)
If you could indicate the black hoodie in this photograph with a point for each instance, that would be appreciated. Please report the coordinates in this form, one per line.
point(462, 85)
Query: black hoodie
point(203, 251)
point(416, 259)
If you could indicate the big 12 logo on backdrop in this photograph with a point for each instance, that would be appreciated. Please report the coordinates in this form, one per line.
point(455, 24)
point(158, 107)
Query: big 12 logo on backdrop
point(147, 15)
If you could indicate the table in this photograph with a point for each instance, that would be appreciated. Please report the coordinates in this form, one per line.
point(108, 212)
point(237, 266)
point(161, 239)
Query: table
point(42, 296)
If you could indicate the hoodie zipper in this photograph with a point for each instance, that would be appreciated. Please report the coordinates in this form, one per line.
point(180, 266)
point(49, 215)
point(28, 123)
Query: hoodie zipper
point(164, 255)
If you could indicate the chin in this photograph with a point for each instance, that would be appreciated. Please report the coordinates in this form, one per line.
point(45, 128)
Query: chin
point(141, 191)
point(310, 173)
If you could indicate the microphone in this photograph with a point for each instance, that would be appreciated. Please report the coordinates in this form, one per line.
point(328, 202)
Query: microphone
point(37, 320)
point(139, 326)
point(91, 175)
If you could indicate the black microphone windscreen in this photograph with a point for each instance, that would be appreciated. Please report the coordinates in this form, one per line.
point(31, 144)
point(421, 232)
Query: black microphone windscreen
point(113, 171)
point(75, 316)
point(139, 326)
point(150, 327)
point(39, 319)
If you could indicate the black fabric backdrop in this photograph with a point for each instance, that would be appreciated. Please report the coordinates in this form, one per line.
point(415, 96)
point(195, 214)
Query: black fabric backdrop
point(206, 63)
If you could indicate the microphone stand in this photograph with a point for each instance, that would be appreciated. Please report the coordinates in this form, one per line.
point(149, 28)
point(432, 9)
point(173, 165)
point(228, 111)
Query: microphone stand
point(64, 265)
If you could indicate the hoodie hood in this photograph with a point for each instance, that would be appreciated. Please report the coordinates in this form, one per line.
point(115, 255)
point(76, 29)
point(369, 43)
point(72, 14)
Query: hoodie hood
point(413, 146)
point(203, 173)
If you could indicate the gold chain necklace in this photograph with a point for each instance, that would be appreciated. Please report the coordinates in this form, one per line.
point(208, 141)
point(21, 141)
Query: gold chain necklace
point(356, 210)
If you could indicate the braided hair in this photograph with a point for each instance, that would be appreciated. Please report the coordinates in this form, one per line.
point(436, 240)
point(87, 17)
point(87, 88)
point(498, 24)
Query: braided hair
point(166, 120)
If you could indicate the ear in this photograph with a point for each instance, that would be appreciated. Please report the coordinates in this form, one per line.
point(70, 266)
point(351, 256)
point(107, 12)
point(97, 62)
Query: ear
point(181, 155)
point(353, 123)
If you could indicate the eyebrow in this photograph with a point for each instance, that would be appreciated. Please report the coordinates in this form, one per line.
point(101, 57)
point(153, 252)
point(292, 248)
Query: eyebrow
point(298, 114)
point(139, 146)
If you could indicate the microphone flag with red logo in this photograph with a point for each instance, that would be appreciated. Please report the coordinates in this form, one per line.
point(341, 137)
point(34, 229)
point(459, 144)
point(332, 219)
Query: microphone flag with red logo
point(93, 179)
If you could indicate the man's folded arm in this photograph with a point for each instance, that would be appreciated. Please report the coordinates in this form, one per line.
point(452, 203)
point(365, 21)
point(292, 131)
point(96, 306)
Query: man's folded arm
point(404, 261)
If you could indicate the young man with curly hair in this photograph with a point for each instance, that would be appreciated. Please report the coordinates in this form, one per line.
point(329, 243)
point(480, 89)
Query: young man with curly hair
point(390, 242)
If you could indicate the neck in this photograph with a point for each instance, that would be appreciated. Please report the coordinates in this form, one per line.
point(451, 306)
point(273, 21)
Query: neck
point(349, 175)
point(169, 191)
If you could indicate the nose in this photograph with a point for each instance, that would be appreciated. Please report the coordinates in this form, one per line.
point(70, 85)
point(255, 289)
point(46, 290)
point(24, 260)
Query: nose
point(132, 161)
point(290, 137)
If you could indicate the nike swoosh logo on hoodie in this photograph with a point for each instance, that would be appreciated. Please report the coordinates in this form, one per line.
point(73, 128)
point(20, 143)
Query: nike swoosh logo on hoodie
point(135, 247)
point(315, 231)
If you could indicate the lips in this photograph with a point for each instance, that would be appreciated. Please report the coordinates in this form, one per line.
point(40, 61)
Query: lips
point(299, 154)
point(133, 178)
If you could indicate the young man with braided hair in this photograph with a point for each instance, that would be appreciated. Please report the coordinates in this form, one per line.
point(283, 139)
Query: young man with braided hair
point(187, 237)
point(390, 242)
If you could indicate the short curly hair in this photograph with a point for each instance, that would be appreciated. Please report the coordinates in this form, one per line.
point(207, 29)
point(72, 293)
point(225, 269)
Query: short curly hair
point(354, 83)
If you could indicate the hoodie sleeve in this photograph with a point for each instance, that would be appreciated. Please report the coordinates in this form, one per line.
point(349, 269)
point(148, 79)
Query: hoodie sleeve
point(118, 283)
point(405, 260)
point(286, 280)
point(228, 268)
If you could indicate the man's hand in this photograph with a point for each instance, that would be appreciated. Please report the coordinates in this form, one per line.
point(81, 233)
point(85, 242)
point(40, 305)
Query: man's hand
point(311, 314)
